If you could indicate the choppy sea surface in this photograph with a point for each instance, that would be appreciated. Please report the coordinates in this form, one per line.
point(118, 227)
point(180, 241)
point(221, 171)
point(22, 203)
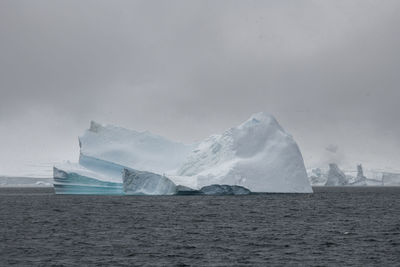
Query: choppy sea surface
point(332, 227)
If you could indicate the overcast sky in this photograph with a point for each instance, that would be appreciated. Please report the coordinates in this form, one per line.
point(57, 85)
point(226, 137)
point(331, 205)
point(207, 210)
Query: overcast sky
point(329, 71)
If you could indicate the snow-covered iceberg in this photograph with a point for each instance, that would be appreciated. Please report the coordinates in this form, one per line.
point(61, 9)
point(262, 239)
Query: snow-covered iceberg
point(258, 155)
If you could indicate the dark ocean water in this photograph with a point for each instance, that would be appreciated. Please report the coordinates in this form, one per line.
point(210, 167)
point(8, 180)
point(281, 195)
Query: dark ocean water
point(332, 227)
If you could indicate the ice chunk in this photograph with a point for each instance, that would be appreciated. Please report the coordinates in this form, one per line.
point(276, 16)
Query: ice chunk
point(257, 154)
point(147, 183)
point(224, 190)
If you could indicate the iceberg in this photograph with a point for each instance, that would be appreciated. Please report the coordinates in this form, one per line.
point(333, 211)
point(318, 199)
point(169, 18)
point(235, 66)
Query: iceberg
point(336, 177)
point(257, 155)
point(360, 180)
point(391, 179)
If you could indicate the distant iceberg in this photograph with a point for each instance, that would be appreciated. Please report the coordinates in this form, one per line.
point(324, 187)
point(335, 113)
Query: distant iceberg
point(391, 179)
point(334, 176)
point(258, 155)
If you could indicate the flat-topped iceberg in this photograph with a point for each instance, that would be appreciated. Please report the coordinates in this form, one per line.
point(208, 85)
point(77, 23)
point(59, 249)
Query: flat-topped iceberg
point(258, 155)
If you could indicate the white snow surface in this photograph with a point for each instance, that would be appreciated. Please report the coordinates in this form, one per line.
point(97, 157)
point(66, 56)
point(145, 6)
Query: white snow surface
point(257, 154)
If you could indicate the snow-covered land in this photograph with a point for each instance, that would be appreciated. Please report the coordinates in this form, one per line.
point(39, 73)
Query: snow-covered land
point(258, 155)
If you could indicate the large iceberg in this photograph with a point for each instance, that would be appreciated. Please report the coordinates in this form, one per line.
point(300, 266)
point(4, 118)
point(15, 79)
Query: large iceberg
point(258, 155)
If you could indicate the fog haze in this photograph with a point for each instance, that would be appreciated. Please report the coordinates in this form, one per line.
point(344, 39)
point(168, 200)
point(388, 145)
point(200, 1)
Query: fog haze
point(327, 70)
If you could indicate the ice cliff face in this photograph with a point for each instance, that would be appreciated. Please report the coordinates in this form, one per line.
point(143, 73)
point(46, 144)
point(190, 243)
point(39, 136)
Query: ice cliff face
point(257, 154)
point(147, 183)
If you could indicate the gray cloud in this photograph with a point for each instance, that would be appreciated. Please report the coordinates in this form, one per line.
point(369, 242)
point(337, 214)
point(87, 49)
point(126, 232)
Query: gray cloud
point(328, 70)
